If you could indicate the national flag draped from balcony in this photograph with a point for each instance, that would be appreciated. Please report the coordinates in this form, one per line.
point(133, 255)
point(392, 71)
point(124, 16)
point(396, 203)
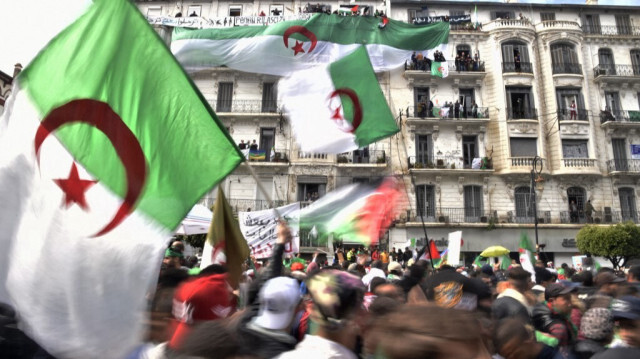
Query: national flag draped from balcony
point(289, 46)
point(337, 108)
point(93, 179)
point(526, 253)
point(439, 69)
point(357, 213)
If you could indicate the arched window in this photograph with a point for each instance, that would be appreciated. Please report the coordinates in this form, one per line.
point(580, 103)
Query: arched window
point(576, 198)
point(564, 59)
point(473, 208)
point(515, 57)
point(628, 204)
point(524, 205)
point(466, 49)
point(606, 65)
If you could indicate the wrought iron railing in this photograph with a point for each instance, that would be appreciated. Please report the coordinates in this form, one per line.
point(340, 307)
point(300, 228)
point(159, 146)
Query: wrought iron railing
point(616, 70)
point(578, 114)
point(579, 162)
point(243, 205)
point(625, 216)
point(521, 114)
point(451, 215)
point(517, 67)
point(364, 156)
point(623, 165)
point(448, 162)
point(245, 106)
point(274, 155)
point(447, 112)
point(619, 116)
point(568, 68)
point(544, 217)
point(473, 66)
point(611, 30)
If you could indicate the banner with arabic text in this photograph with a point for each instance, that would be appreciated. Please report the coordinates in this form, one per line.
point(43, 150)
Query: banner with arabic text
point(259, 230)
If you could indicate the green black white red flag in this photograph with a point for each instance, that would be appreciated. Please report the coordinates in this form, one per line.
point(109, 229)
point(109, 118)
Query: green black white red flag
point(290, 46)
point(106, 145)
point(337, 108)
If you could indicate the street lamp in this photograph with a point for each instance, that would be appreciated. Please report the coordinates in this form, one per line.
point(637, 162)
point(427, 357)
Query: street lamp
point(536, 170)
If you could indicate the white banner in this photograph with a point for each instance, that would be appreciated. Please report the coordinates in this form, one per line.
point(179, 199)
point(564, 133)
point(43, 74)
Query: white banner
point(455, 241)
point(259, 229)
point(224, 21)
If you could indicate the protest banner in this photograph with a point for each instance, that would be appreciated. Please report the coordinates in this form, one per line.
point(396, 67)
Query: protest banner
point(455, 242)
point(259, 230)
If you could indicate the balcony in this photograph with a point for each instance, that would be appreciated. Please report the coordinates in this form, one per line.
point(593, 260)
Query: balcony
point(243, 205)
point(422, 70)
point(517, 67)
point(578, 162)
point(312, 157)
point(619, 118)
point(611, 30)
point(557, 25)
point(421, 111)
point(566, 69)
point(579, 114)
point(508, 24)
point(261, 157)
point(446, 215)
point(521, 114)
point(623, 165)
point(616, 73)
point(526, 162)
point(245, 106)
point(544, 217)
point(363, 157)
point(438, 163)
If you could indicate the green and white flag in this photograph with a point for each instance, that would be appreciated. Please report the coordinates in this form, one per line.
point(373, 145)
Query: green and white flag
point(106, 145)
point(337, 108)
point(439, 69)
point(527, 258)
point(289, 46)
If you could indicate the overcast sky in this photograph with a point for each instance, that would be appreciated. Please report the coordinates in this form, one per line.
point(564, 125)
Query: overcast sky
point(29, 25)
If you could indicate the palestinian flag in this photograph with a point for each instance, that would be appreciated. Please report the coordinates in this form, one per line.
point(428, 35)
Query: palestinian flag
point(527, 258)
point(337, 108)
point(95, 174)
point(439, 69)
point(358, 213)
point(290, 46)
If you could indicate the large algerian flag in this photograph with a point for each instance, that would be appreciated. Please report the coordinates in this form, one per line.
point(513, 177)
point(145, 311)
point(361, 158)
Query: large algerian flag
point(527, 258)
point(106, 145)
point(288, 46)
point(439, 69)
point(337, 108)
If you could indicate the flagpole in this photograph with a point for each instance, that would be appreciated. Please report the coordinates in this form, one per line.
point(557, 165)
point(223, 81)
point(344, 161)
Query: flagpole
point(263, 191)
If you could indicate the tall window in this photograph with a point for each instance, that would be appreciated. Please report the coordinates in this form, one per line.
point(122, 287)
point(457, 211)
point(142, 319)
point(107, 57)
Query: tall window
point(425, 201)
point(619, 146)
point(612, 101)
point(473, 208)
point(515, 57)
point(635, 61)
point(424, 150)
point(412, 14)
point(225, 96)
point(607, 65)
point(311, 188)
point(269, 97)
point(524, 204)
point(547, 16)
point(570, 104)
point(194, 10)
point(592, 24)
point(504, 15)
point(628, 204)
point(421, 102)
point(267, 143)
point(576, 199)
point(523, 147)
point(520, 103)
point(469, 150)
point(623, 24)
point(575, 149)
point(564, 59)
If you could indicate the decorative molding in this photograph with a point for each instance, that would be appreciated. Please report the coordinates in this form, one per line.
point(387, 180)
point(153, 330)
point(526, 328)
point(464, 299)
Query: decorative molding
point(438, 183)
point(435, 133)
point(460, 184)
point(510, 190)
point(458, 133)
point(485, 185)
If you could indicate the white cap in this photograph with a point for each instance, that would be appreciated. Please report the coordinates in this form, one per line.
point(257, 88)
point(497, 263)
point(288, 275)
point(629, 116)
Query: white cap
point(279, 298)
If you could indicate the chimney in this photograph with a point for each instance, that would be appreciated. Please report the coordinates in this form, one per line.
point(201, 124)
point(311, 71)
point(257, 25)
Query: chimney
point(16, 70)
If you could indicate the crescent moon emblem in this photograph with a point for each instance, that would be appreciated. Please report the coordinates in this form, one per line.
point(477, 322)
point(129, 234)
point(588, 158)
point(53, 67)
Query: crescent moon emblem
point(357, 108)
point(299, 29)
point(100, 115)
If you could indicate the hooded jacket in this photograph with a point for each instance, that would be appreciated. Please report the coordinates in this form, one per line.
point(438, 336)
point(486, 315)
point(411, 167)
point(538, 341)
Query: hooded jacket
point(548, 321)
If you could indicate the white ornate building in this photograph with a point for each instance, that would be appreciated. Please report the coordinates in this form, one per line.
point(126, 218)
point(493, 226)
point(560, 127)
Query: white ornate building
point(535, 63)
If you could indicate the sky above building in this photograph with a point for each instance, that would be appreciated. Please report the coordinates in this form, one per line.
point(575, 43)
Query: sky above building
point(29, 25)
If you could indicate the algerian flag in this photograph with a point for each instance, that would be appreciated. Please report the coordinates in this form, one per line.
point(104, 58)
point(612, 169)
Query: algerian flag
point(288, 46)
point(95, 174)
point(526, 255)
point(337, 108)
point(439, 69)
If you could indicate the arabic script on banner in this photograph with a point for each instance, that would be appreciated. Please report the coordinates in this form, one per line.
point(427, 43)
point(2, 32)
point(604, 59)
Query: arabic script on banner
point(224, 21)
point(259, 229)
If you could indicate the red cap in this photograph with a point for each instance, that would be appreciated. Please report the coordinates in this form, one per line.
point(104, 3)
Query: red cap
point(204, 298)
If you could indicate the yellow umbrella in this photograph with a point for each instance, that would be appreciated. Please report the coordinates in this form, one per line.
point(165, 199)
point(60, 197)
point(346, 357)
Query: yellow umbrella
point(494, 251)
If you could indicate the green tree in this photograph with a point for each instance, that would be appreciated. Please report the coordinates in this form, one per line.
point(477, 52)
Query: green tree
point(617, 243)
point(195, 240)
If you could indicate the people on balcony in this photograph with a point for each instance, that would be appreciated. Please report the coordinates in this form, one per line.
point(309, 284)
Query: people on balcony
point(474, 110)
point(572, 111)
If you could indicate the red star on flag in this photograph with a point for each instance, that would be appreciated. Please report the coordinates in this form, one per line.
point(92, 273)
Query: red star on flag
point(74, 188)
point(297, 48)
point(336, 114)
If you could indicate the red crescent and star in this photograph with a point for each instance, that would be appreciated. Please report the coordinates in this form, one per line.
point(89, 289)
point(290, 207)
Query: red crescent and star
point(357, 108)
point(99, 115)
point(297, 48)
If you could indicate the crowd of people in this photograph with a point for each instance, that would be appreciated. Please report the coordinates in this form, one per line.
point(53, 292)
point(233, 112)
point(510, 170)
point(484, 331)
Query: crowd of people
point(463, 61)
point(370, 303)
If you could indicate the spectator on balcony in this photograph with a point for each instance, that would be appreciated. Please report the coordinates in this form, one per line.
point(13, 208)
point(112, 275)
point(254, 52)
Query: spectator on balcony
point(573, 212)
point(193, 14)
point(430, 113)
point(476, 61)
point(572, 111)
point(456, 109)
point(588, 211)
point(474, 110)
point(254, 146)
point(414, 61)
point(242, 145)
point(516, 59)
point(457, 62)
point(422, 107)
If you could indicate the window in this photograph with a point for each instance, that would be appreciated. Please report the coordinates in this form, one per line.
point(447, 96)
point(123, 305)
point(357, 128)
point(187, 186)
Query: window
point(520, 104)
point(612, 101)
point(463, 50)
point(564, 59)
point(515, 57)
point(567, 98)
point(592, 24)
point(628, 204)
point(467, 99)
point(195, 11)
point(619, 146)
point(469, 150)
point(635, 61)
point(311, 188)
point(425, 201)
point(523, 147)
point(502, 15)
point(269, 97)
point(267, 143)
point(623, 24)
point(473, 208)
point(575, 149)
point(276, 10)
point(456, 12)
point(235, 10)
point(547, 16)
point(421, 102)
point(225, 96)
point(524, 204)
point(154, 11)
point(576, 198)
point(607, 65)
point(424, 150)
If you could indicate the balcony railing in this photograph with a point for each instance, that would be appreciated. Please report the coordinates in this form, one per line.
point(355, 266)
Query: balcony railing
point(579, 162)
point(567, 69)
point(521, 114)
point(558, 24)
point(523, 162)
point(275, 155)
point(579, 114)
point(243, 205)
point(524, 67)
point(611, 30)
point(245, 106)
point(448, 162)
point(619, 116)
point(623, 165)
point(423, 111)
point(451, 215)
point(474, 66)
point(308, 156)
point(616, 70)
point(579, 217)
point(363, 157)
point(543, 217)
point(625, 216)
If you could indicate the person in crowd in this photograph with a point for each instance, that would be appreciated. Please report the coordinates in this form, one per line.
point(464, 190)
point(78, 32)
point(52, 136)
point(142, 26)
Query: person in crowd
point(375, 272)
point(172, 259)
point(515, 301)
point(512, 340)
point(375, 254)
point(607, 284)
point(407, 255)
point(253, 146)
point(596, 328)
point(573, 211)
point(633, 277)
point(552, 315)
point(351, 255)
point(336, 311)
point(394, 272)
point(384, 257)
point(242, 145)
point(456, 109)
point(626, 311)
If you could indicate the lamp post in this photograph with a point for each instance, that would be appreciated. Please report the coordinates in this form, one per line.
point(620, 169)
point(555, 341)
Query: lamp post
point(536, 170)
